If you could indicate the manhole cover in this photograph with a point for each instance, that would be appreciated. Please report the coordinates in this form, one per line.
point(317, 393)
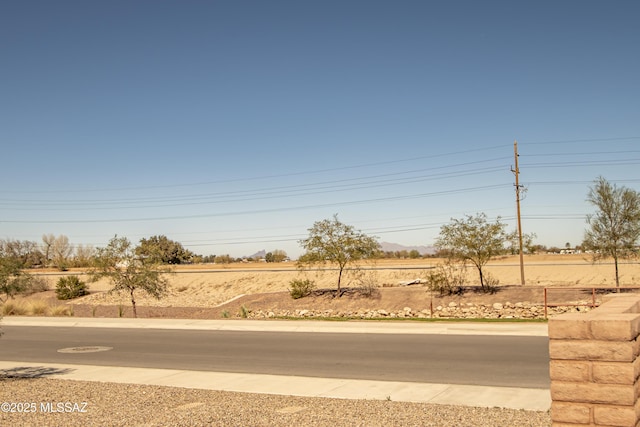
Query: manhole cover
point(87, 349)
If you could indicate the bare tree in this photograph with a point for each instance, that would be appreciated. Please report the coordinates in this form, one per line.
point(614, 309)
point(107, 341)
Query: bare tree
point(25, 252)
point(47, 244)
point(83, 255)
point(614, 229)
point(61, 251)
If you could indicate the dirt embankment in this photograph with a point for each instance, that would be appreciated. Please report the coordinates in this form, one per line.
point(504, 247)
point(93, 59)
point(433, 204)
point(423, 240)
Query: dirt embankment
point(214, 292)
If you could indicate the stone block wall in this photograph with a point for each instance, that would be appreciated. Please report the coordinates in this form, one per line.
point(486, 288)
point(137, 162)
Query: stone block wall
point(595, 365)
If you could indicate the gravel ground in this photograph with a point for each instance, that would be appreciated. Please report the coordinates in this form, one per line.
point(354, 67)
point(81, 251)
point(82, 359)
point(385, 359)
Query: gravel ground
point(109, 404)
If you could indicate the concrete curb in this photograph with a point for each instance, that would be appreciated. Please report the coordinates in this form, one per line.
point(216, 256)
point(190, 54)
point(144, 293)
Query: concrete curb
point(444, 394)
point(363, 327)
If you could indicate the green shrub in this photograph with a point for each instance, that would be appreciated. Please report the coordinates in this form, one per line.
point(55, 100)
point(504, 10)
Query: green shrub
point(244, 312)
point(447, 279)
point(301, 288)
point(70, 287)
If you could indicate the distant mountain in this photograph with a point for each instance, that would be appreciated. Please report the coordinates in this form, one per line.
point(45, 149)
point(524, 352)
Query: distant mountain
point(258, 255)
point(394, 247)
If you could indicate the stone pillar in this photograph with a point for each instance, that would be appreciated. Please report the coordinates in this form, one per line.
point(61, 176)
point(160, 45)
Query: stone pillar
point(595, 366)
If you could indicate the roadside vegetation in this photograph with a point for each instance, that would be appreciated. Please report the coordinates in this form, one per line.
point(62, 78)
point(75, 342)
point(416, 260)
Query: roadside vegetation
point(121, 263)
point(333, 242)
point(473, 240)
point(70, 287)
point(612, 232)
point(34, 308)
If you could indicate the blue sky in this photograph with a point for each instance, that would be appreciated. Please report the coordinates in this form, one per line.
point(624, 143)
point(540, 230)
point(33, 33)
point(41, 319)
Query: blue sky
point(232, 126)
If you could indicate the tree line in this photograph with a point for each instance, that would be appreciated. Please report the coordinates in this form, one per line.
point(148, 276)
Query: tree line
point(58, 252)
point(612, 231)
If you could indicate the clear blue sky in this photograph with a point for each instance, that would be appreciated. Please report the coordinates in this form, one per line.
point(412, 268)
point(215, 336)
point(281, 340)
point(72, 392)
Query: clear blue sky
point(231, 126)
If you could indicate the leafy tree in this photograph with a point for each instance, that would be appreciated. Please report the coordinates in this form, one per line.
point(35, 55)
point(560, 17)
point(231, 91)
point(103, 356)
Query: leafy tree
point(13, 280)
point(119, 263)
point(527, 243)
point(414, 254)
point(209, 259)
point(162, 250)
point(473, 239)
point(223, 259)
point(615, 227)
point(277, 255)
point(331, 241)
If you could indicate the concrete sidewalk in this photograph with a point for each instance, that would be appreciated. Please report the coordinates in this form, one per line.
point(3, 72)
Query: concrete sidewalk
point(449, 394)
point(445, 394)
point(363, 327)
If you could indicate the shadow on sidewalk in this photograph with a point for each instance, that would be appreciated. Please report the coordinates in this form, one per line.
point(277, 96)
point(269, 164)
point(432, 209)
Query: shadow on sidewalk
point(28, 372)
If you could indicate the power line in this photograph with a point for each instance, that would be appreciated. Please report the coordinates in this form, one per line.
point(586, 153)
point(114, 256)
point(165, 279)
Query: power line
point(263, 177)
point(260, 211)
point(575, 141)
point(268, 196)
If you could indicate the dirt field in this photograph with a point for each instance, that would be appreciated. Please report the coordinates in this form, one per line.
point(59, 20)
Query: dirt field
point(212, 291)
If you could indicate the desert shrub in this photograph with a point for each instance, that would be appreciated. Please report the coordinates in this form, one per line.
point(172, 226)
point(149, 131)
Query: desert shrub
point(70, 287)
point(36, 284)
point(38, 307)
point(490, 283)
point(368, 285)
point(301, 288)
point(244, 312)
point(61, 310)
point(14, 309)
point(446, 279)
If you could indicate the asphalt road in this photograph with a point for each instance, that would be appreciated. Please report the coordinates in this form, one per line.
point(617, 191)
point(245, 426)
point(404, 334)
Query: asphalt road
point(509, 361)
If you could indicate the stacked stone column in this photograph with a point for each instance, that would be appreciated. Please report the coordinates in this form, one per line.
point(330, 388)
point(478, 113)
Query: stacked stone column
point(595, 365)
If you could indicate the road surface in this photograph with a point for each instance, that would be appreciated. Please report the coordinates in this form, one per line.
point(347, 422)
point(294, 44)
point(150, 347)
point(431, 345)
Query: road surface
point(506, 361)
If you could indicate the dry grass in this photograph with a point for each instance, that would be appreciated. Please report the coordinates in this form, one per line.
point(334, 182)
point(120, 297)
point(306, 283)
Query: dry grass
point(61, 310)
point(35, 307)
point(38, 307)
point(13, 308)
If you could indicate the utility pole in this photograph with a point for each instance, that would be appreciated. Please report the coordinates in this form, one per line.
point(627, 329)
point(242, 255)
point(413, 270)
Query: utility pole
point(516, 172)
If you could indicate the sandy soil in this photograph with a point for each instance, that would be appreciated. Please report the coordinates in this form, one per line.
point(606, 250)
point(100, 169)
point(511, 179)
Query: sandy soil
point(211, 291)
